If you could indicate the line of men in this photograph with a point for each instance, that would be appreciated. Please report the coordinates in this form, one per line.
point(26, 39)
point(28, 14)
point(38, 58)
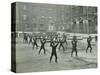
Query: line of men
point(55, 42)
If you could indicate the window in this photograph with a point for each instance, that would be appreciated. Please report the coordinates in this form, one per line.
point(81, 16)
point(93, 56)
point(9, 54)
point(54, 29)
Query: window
point(24, 17)
point(24, 7)
point(63, 28)
point(26, 26)
point(51, 27)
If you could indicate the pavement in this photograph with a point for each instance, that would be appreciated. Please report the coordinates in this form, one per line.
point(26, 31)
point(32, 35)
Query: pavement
point(28, 60)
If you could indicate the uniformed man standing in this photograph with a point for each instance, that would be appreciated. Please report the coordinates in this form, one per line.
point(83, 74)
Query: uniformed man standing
point(74, 46)
point(61, 41)
point(30, 39)
point(89, 39)
point(34, 43)
point(43, 41)
point(25, 38)
point(54, 53)
point(96, 38)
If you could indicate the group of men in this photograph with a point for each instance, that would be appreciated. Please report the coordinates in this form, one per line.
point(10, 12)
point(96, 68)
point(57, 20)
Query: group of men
point(54, 42)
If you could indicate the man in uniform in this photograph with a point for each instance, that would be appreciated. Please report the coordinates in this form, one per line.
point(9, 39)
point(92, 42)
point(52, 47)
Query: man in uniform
point(96, 38)
point(35, 42)
point(89, 39)
point(25, 38)
point(43, 41)
point(61, 41)
point(54, 53)
point(65, 41)
point(30, 39)
point(74, 46)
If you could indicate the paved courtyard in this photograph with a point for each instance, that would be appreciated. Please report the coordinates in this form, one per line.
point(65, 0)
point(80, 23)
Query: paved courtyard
point(28, 60)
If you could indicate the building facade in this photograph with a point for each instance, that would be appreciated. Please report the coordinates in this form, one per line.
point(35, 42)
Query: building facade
point(32, 17)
